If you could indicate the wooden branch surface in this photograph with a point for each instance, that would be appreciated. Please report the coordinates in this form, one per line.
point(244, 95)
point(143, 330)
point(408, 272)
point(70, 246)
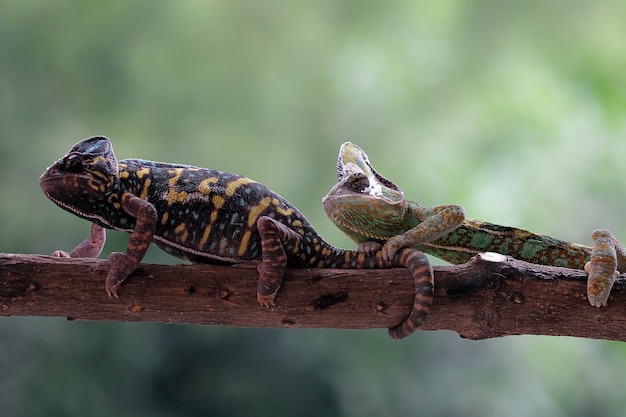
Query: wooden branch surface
point(488, 297)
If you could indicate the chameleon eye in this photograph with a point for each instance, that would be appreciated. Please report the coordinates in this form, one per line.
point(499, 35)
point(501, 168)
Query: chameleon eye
point(358, 182)
point(74, 163)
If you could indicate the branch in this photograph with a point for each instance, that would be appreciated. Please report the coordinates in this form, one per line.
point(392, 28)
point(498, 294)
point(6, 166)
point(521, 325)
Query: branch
point(490, 296)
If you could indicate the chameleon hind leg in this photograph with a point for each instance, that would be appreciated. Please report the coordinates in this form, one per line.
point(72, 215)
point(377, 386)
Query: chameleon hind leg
point(278, 243)
point(276, 240)
point(608, 256)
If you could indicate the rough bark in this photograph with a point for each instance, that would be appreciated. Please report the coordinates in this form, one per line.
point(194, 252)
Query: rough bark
point(488, 297)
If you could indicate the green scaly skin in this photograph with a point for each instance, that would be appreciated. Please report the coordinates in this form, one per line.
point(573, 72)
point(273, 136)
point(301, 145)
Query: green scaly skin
point(373, 211)
point(204, 216)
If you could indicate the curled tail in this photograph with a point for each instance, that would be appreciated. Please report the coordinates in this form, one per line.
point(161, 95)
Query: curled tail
point(410, 258)
point(418, 265)
point(282, 245)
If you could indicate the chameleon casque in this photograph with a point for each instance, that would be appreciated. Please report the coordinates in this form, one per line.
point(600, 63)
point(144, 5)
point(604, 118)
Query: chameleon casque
point(203, 216)
point(373, 211)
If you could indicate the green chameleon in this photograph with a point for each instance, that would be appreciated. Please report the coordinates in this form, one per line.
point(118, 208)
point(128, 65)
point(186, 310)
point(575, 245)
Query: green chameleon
point(373, 211)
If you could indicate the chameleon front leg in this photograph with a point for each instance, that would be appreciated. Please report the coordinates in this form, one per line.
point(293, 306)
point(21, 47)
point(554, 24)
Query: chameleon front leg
point(434, 222)
point(608, 256)
point(122, 265)
point(89, 248)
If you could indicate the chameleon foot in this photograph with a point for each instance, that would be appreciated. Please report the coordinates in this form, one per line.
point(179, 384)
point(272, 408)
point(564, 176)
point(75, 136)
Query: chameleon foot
point(266, 300)
point(111, 290)
point(121, 267)
point(369, 246)
point(602, 268)
point(268, 285)
point(393, 245)
point(60, 254)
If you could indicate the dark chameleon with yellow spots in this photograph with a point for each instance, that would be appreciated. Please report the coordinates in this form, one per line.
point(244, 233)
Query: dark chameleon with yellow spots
point(204, 216)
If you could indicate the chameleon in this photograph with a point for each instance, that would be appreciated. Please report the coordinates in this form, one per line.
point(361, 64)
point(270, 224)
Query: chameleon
point(203, 216)
point(373, 211)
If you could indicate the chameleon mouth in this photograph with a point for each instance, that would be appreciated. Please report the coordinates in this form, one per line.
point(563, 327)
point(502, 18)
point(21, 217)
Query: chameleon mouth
point(56, 182)
point(63, 205)
point(52, 174)
point(75, 211)
point(65, 192)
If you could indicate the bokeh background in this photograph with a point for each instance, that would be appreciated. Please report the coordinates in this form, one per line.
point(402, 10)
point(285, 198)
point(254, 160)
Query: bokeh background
point(516, 110)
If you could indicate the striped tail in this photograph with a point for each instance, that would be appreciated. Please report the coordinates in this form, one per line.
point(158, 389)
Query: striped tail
point(418, 265)
point(280, 244)
point(414, 260)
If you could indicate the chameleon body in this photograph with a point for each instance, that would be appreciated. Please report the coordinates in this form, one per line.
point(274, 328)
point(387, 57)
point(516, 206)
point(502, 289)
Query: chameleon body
point(373, 211)
point(204, 216)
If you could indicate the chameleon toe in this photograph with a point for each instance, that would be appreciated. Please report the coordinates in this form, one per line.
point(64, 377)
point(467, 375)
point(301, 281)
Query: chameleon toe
point(266, 300)
point(111, 291)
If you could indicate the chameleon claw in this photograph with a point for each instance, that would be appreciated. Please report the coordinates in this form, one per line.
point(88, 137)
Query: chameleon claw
point(596, 302)
point(369, 246)
point(266, 300)
point(391, 247)
point(599, 289)
point(60, 254)
point(111, 291)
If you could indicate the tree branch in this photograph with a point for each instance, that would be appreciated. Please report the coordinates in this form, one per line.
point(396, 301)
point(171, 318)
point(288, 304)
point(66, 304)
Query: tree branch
point(490, 296)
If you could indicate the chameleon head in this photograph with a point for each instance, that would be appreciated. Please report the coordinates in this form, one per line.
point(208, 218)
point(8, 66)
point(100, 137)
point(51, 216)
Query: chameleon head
point(356, 205)
point(84, 177)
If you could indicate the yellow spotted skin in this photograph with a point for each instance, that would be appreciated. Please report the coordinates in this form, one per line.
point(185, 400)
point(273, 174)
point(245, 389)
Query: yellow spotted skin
point(204, 216)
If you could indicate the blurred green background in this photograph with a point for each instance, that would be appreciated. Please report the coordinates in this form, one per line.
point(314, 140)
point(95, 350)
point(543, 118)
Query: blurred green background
point(516, 110)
